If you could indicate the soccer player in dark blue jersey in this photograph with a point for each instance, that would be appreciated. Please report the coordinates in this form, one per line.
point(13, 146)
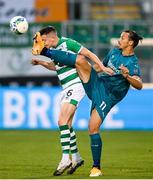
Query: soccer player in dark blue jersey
point(119, 70)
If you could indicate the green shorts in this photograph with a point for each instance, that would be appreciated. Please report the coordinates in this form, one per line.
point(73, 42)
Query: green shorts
point(98, 94)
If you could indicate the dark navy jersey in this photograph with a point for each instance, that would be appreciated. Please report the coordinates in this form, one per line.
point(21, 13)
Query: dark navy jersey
point(117, 85)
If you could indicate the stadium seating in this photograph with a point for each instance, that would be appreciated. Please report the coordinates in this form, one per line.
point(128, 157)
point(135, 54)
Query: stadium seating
point(123, 11)
point(81, 33)
point(143, 30)
point(86, 33)
point(104, 34)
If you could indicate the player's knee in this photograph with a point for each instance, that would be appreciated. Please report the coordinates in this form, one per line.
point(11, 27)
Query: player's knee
point(63, 121)
point(93, 129)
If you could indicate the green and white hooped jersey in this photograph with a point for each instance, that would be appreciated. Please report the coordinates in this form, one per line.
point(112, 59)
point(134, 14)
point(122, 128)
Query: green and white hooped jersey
point(68, 75)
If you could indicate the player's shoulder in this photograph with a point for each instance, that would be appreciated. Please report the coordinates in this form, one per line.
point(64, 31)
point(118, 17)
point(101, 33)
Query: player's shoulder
point(67, 39)
point(64, 39)
point(133, 59)
point(116, 50)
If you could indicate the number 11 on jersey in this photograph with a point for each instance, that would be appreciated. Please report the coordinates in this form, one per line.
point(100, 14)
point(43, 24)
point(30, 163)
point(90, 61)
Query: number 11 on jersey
point(103, 105)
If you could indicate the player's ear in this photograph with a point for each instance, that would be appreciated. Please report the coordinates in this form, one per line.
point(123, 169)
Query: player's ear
point(131, 43)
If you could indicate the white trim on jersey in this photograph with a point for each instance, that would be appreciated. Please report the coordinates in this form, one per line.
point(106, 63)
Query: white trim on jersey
point(67, 73)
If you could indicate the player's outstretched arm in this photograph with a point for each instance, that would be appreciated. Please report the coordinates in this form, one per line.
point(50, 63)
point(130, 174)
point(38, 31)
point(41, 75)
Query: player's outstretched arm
point(98, 66)
point(48, 65)
point(66, 58)
point(135, 81)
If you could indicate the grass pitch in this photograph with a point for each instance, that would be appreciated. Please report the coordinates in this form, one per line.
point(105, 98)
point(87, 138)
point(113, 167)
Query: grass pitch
point(35, 155)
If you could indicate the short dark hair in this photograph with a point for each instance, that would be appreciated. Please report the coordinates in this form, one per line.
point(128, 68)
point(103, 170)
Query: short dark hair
point(134, 37)
point(47, 30)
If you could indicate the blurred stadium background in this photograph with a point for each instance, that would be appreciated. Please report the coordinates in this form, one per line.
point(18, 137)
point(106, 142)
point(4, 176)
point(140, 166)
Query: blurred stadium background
point(29, 96)
point(94, 23)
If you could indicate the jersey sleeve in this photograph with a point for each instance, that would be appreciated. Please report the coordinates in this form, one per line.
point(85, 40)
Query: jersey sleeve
point(134, 69)
point(74, 46)
point(106, 59)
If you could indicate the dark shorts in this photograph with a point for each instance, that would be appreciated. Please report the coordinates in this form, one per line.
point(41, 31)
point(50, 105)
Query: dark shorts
point(97, 92)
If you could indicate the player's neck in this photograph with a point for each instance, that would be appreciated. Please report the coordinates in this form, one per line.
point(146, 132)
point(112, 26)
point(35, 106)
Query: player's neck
point(128, 52)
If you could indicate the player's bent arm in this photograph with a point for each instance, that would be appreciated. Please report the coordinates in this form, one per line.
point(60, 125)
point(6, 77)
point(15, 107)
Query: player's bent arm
point(99, 67)
point(48, 65)
point(135, 81)
point(85, 52)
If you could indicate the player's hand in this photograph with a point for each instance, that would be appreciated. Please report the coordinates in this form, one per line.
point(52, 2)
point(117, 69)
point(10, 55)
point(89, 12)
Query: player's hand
point(124, 70)
point(102, 68)
point(108, 71)
point(38, 44)
point(35, 61)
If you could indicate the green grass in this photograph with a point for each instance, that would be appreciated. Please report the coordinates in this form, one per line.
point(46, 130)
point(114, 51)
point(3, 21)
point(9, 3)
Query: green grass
point(35, 154)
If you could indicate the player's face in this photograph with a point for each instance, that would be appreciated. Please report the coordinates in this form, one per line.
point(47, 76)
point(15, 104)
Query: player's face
point(124, 41)
point(50, 39)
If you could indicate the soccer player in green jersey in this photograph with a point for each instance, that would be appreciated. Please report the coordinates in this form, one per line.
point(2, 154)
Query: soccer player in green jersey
point(120, 69)
point(71, 95)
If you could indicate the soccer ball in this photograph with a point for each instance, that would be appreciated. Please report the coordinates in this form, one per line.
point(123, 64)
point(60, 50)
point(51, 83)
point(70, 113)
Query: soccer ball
point(19, 25)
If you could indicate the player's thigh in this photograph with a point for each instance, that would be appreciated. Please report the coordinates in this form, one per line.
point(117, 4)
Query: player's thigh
point(73, 94)
point(66, 113)
point(71, 98)
point(83, 68)
point(94, 122)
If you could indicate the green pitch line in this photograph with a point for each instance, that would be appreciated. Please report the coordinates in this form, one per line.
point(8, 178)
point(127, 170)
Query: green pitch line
point(35, 155)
